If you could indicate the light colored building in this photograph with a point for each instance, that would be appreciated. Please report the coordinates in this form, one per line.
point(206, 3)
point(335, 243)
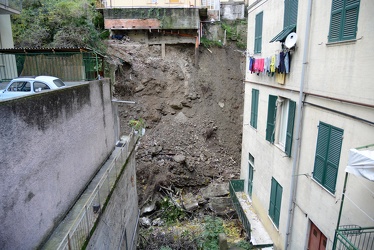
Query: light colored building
point(8, 69)
point(299, 126)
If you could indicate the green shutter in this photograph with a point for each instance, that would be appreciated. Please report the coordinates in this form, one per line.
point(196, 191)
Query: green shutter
point(333, 158)
point(290, 125)
point(258, 32)
point(270, 124)
point(343, 22)
point(350, 21)
point(254, 108)
point(327, 158)
point(275, 201)
point(290, 13)
point(278, 203)
point(321, 151)
point(273, 192)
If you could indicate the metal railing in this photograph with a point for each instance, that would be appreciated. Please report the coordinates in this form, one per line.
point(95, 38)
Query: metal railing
point(238, 186)
point(89, 213)
point(354, 238)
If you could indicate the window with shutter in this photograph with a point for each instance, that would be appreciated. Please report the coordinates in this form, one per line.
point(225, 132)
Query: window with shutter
point(326, 163)
point(270, 124)
point(258, 32)
point(254, 108)
point(290, 125)
point(275, 201)
point(343, 22)
point(289, 20)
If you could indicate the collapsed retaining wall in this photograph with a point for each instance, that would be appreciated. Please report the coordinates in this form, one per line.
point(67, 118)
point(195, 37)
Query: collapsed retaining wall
point(52, 144)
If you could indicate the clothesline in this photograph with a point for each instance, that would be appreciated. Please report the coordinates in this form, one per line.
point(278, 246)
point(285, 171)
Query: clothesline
point(279, 63)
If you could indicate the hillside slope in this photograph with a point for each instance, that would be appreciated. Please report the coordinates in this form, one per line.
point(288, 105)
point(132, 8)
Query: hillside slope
point(193, 114)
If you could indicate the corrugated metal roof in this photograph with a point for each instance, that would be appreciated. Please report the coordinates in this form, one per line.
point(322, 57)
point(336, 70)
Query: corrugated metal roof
point(39, 50)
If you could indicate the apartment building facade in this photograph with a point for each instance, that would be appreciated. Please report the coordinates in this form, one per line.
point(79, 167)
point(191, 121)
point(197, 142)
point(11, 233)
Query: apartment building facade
point(309, 99)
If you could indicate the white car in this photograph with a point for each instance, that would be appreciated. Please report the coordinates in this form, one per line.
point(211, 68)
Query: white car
point(22, 86)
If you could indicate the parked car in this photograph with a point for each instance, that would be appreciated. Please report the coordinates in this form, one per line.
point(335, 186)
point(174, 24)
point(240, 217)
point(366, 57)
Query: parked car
point(22, 86)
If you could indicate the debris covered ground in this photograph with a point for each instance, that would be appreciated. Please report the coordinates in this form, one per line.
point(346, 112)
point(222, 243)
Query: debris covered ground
point(193, 121)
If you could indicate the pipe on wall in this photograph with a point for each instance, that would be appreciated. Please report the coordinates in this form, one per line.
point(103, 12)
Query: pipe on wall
point(296, 150)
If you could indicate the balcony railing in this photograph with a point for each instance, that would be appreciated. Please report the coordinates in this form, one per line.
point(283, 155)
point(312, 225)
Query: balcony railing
point(354, 238)
point(238, 186)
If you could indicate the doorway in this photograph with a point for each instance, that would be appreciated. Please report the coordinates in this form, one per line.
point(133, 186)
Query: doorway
point(317, 240)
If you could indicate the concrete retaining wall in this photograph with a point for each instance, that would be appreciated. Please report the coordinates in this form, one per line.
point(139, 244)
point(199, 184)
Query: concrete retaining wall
point(232, 11)
point(117, 228)
point(151, 18)
point(51, 146)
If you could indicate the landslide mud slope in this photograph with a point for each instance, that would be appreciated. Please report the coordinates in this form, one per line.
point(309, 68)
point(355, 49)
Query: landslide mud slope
point(193, 114)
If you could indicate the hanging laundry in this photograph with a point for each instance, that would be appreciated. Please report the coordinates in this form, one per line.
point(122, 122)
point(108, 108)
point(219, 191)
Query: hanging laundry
point(279, 78)
point(255, 65)
point(250, 68)
point(282, 66)
point(287, 62)
point(277, 61)
point(272, 65)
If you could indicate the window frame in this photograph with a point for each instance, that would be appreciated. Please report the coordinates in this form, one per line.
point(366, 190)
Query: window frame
point(258, 32)
point(275, 202)
point(327, 155)
point(279, 113)
point(254, 108)
point(339, 30)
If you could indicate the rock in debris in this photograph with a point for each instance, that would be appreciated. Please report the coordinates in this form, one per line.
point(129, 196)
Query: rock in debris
point(145, 221)
point(221, 206)
point(181, 118)
point(190, 203)
point(176, 105)
point(139, 88)
point(216, 190)
point(179, 158)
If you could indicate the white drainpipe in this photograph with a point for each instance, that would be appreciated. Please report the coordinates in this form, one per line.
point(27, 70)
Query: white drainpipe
point(296, 150)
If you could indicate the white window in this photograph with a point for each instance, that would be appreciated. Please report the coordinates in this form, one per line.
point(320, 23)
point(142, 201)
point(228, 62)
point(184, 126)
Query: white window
point(282, 110)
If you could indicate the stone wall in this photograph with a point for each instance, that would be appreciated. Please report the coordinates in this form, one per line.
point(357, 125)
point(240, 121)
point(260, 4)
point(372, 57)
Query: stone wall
point(52, 144)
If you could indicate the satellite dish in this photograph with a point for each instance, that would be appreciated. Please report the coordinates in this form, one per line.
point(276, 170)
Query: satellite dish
point(291, 40)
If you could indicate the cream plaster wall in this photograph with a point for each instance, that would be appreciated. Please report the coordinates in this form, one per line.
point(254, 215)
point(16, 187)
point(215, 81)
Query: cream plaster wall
point(270, 161)
point(336, 70)
point(341, 70)
point(320, 205)
point(272, 24)
point(6, 37)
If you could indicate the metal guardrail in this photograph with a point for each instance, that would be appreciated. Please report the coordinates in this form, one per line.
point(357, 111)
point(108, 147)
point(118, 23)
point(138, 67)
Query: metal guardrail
point(354, 238)
point(238, 186)
point(80, 231)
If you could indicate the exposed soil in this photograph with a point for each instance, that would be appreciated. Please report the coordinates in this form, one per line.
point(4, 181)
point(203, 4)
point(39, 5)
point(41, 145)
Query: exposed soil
point(193, 114)
point(191, 111)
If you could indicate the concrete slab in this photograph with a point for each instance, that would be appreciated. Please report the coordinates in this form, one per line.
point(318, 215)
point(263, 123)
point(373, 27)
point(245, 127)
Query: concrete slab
point(259, 235)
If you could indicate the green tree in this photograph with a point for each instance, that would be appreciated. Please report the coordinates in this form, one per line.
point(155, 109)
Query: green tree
point(58, 23)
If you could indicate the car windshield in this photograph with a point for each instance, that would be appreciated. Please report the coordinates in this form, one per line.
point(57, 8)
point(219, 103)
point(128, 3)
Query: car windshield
point(20, 86)
point(59, 83)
